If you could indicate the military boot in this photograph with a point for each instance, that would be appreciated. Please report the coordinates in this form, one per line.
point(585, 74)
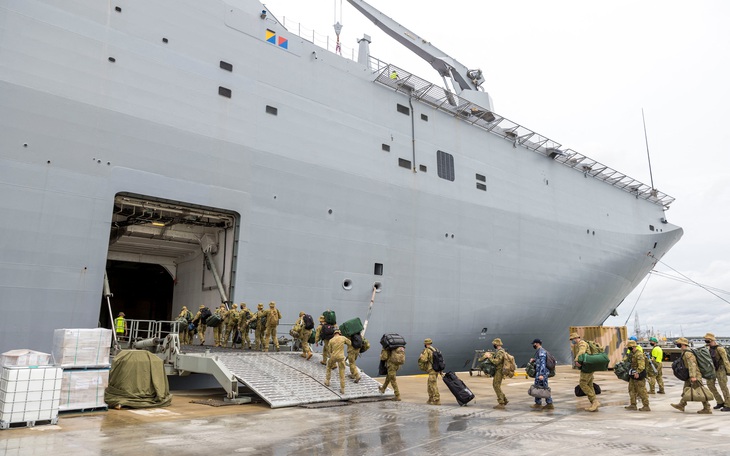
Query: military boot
point(594, 406)
point(381, 389)
point(679, 406)
point(651, 392)
point(725, 409)
point(645, 408)
point(536, 406)
point(661, 392)
point(706, 410)
point(631, 407)
point(549, 407)
point(438, 402)
point(499, 407)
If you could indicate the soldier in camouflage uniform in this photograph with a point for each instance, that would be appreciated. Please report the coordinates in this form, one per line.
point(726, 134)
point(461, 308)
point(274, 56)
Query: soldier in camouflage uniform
point(386, 355)
point(325, 342)
point(352, 353)
point(304, 335)
point(721, 363)
point(218, 331)
point(425, 362)
point(690, 362)
point(259, 317)
point(637, 381)
point(202, 327)
point(231, 322)
point(657, 357)
point(272, 321)
point(244, 326)
point(185, 334)
point(497, 359)
point(337, 358)
point(586, 379)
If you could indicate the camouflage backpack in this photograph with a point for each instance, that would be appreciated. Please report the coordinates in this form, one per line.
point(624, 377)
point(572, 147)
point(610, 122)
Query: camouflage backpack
point(272, 318)
point(594, 348)
point(508, 366)
point(398, 356)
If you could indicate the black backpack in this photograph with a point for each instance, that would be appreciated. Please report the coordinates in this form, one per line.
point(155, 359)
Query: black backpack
point(204, 314)
point(356, 340)
point(437, 362)
point(328, 332)
point(680, 370)
point(550, 361)
point(308, 321)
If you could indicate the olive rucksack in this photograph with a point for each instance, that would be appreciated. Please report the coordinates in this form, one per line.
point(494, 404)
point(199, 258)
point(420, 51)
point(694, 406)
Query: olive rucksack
point(622, 370)
point(594, 348)
point(508, 366)
point(398, 356)
point(704, 362)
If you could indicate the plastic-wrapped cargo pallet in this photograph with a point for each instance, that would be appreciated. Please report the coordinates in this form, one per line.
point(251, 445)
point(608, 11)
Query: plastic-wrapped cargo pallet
point(84, 356)
point(29, 394)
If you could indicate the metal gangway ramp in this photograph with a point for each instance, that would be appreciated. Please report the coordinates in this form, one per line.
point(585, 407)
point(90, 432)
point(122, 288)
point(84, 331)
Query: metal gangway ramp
point(282, 379)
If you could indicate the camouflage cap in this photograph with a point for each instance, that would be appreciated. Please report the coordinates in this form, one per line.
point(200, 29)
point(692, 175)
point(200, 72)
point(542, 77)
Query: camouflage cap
point(497, 341)
point(234, 306)
point(201, 306)
point(321, 318)
point(260, 306)
point(272, 304)
point(337, 330)
point(428, 341)
point(301, 314)
point(631, 343)
point(573, 336)
point(710, 336)
point(682, 341)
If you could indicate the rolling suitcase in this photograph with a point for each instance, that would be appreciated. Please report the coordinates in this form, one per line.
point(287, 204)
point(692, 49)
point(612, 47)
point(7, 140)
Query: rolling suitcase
point(460, 391)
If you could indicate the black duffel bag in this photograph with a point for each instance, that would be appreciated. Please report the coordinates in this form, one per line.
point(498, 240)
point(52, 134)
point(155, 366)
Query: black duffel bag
point(579, 392)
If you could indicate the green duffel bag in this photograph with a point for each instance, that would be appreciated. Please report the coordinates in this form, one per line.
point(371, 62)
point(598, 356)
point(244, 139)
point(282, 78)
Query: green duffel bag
point(622, 370)
point(488, 368)
point(329, 317)
point(213, 321)
point(531, 371)
point(351, 327)
point(593, 363)
point(312, 338)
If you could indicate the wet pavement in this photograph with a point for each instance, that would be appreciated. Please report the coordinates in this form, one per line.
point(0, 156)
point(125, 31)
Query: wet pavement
point(409, 427)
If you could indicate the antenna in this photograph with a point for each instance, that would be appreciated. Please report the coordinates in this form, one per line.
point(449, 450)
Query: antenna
point(646, 140)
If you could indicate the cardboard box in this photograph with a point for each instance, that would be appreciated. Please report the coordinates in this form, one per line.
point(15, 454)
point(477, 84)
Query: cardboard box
point(82, 347)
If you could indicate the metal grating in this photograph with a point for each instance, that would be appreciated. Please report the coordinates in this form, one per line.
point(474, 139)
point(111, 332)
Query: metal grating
point(285, 379)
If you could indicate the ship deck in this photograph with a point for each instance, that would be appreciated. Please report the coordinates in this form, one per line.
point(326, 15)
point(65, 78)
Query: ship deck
point(390, 428)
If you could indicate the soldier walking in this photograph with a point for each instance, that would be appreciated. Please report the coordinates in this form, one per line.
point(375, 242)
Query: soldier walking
point(272, 321)
point(352, 353)
point(337, 358)
point(425, 362)
point(695, 376)
point(497, 359)
point(259, 317)
point(656, 358)
point(200, 318)
point(231, 322)
point(637, 378)
point(185, 332)
point(305, 334)
point(325, 342)
point(586, 378)
point(245, 326)
point(541, 375)
point(722, 365)
point(218, 329)
point(392, 363)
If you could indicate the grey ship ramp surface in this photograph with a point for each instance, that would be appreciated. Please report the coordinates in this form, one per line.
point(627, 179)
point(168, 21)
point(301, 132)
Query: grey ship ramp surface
point(285, 379)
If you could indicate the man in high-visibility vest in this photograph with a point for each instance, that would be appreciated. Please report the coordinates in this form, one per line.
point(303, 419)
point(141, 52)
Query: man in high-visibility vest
point(120, 326)
point(657, 356)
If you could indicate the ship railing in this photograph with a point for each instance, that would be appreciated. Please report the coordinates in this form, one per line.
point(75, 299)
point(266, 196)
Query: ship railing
point(147, 329)
point(466, 111)
point(323, 41)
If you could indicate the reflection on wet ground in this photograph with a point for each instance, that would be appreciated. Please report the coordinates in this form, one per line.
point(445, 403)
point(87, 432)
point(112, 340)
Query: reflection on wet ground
point(391, 428)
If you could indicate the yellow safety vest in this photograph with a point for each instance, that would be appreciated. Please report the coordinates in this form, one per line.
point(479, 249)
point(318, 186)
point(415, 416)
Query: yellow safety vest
point(657, 353)
point(119, 323)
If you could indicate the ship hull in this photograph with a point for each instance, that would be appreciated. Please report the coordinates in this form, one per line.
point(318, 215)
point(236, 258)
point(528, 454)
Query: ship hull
point(322, 212)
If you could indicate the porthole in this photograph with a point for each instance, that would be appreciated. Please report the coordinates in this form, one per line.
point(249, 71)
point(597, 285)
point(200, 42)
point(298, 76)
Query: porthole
point(378, 287)
point(347, 284)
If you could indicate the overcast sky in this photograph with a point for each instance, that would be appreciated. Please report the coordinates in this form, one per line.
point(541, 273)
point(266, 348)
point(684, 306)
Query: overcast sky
point(580, 72)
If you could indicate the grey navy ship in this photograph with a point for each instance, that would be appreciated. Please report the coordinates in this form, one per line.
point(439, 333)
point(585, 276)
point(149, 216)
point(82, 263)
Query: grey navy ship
point(197, 151)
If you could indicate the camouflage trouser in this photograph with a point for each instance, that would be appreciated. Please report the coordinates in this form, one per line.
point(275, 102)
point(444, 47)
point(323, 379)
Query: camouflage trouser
point(390, 379)
point(432, 386)
point(259, 338)
point(586, 384)
point(340, 363)
point(304, 335)
point(352, 358)
point(657, 379)
point(325, 351)
point(721, 377)
point(638, 388)
point(217, 334)
point(270, 332)
point(245, 337)
point(497, 385)
point(184, 336)
point(201, 333)
point(230, 330)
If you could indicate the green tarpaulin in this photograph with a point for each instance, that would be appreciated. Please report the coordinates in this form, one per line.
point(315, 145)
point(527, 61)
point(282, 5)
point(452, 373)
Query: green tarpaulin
point(137, 379)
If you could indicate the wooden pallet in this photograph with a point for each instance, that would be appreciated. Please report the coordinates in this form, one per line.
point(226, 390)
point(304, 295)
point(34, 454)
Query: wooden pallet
point(26, 424)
